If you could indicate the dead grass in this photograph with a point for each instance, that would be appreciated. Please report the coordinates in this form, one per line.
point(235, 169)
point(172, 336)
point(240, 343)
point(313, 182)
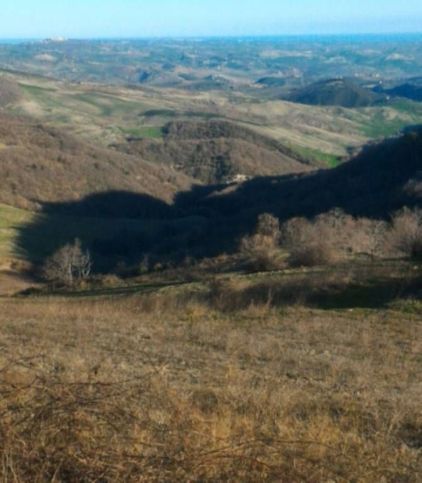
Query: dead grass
point(155, 388)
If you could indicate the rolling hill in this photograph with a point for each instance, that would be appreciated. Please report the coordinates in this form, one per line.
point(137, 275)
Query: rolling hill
point(210, 220)
point(217, 151)
point(381, 179)
point(412, 89)
point(41, 164)
point(336, 92)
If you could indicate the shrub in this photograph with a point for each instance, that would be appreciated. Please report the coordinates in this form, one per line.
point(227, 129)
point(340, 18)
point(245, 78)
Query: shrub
point(405, 235)
point(261, 249)
point(332, 236)
point(309, 243)
point(269, 226)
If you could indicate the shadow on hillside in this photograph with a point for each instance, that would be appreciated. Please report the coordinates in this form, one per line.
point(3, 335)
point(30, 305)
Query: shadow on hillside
point(121, 227)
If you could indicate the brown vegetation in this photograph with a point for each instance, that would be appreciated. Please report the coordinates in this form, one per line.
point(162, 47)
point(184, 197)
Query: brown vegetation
point(9, 92)
point(332, 237)
point(261, 249)
point(406, 233)
point(42, 164)
point(217, 151)
point(156, 388)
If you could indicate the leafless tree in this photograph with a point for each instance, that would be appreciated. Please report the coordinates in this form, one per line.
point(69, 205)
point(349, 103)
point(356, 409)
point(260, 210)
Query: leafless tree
point(70, 264)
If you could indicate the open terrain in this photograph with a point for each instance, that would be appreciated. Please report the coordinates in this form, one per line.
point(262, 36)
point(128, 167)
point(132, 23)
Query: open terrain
point(217, 382)
point(210, 260)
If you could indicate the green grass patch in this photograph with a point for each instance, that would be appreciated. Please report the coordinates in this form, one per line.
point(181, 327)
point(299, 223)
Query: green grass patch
point(409, 107)
point(36, 90)
point(380, 127)
point(150, 132)
point(107, 105)
point(316, 156)
point(10, 221)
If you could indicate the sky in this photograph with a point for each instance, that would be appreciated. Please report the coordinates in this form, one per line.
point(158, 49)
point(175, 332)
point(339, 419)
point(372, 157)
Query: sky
point(199, 18)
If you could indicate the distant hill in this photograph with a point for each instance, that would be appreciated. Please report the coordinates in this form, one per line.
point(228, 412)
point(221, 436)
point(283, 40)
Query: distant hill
point(217, 151)
point(412, 89)
point(336, 92)
point(42, 164)
point(271, 82)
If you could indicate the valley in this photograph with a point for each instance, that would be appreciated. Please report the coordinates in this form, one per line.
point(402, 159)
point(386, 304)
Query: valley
point(210, 259)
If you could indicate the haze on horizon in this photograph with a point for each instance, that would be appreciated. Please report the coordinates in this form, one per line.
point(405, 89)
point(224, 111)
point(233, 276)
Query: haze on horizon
point(187, 18)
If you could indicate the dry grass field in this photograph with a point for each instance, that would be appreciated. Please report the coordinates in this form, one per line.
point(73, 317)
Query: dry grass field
point(178, 385)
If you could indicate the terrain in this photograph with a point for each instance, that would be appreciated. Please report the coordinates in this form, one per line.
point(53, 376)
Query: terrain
point(162, 385)
point(54, 166)
point(217, 151)
point(411, 89)
point(336, 92)
point(210, 260)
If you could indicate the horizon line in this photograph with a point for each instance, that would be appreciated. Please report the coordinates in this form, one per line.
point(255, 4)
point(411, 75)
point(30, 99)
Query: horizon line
point(215, 36)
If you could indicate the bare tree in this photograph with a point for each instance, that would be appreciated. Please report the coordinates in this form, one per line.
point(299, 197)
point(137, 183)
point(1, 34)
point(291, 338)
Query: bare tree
point(69, 264)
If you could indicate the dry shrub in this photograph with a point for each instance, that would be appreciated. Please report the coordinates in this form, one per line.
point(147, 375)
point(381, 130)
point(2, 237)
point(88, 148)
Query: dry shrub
point(405, 234)
point(331, 237)
point(110, 280)
point(309, 243)
point(146, 430)
point(261, 249)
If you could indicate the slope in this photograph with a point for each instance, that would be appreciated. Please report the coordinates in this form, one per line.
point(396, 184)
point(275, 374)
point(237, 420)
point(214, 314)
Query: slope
point(384, 177)
point(42, 164)
point(217, 151)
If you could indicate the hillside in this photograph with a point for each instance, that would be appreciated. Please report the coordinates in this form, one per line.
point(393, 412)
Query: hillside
point(379, 180)
point(43, 164)
point(271, 82)
point(336, 92)
point(210, 220)
point(412, 89)
point(216, 151)
point(9, 92)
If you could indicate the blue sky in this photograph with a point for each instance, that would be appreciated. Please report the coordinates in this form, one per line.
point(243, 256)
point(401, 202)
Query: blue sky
point(151, 18)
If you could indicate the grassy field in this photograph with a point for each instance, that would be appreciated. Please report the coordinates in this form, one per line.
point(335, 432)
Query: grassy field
point(318, 157)
point(196, 384)
point(10, 221)
point(152, 132)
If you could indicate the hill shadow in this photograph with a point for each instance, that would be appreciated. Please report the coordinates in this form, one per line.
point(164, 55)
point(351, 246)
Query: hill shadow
point(120, 227)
